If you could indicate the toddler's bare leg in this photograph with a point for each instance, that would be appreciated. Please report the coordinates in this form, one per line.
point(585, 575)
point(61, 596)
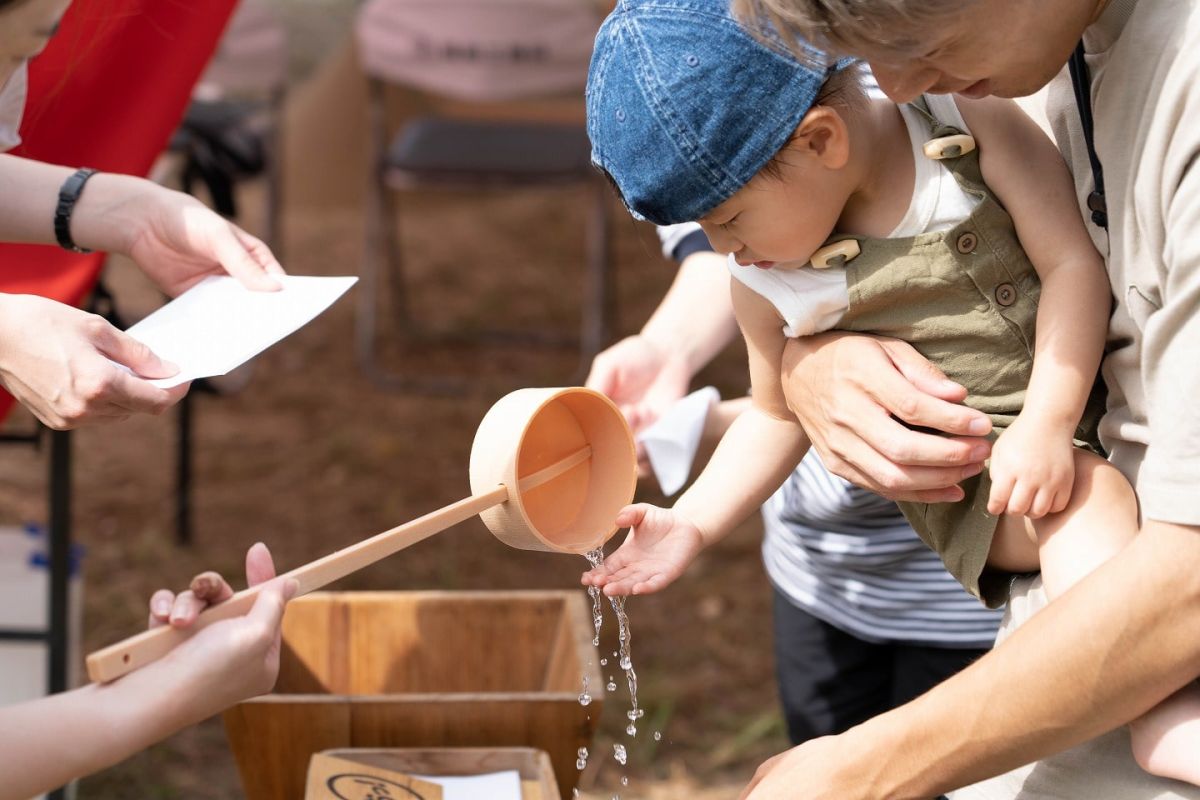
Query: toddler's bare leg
point(1097, 522)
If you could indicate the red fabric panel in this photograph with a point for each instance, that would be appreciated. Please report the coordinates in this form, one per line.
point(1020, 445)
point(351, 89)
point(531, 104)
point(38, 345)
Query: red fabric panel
point(107, 93)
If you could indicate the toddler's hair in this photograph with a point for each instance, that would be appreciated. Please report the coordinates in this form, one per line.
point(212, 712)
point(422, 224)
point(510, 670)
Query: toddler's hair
point(845, 89)
point(853, 26)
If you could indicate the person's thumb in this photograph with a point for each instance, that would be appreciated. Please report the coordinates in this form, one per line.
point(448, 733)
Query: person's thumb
point(268, 607)
point(631, 516)
point(127, 351)
point(921, 373)
point(238, 261)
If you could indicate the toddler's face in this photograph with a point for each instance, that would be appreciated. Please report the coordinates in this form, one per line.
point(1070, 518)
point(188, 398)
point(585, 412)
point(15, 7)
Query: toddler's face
point(778, 219)
point(25, 28)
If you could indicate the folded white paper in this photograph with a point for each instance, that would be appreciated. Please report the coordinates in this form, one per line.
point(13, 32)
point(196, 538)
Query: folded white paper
point(671, 442)
point(218, 324)
point(492, 786)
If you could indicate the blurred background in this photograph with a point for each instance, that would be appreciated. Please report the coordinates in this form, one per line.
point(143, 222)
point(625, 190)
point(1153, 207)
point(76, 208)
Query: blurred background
point(364, 418)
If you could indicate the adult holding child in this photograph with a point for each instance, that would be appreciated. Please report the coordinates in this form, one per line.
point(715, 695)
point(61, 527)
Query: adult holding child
point(865, 617)
point(1128, 635)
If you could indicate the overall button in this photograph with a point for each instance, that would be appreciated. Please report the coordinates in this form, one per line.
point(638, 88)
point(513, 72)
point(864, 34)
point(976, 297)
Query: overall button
point(966, 243)
point(1006, 294)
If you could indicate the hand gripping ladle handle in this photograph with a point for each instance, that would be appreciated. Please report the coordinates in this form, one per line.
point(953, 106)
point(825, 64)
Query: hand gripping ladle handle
point(125, 656)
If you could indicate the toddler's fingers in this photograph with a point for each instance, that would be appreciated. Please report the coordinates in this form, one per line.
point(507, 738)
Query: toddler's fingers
point(1021, 499)
point(632, 516)
point(210, 587)
point(1041, 504)
point(185, 609)
point(998, 498)
point(160, 607)
point(1061, 498)
point(655, 583)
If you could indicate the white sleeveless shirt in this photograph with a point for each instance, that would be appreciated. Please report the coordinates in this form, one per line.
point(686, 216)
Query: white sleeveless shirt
point(12, 107)
point(812, 300)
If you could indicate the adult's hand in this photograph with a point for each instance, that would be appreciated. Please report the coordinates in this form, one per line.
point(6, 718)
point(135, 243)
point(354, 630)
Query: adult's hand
point(640, 378)
point(58, 362)
point(233, 659)
point(174, 238)
point(856, 397)
point(807, 772)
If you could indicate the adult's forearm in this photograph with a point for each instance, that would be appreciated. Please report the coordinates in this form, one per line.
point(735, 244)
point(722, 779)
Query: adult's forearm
point(695, 319)
point(29, 195)
point(49, 742)
point(1113, 646)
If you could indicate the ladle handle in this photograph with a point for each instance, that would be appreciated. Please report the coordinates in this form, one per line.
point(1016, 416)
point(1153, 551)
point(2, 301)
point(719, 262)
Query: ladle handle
point(125, 656)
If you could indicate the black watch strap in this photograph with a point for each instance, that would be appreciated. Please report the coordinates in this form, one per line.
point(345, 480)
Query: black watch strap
point(68, 195)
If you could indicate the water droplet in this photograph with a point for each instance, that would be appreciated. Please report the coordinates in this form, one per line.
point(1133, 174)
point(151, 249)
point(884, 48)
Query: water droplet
point(619, 754)
point(634, 714)
point(612, 686)
point(585, 699)
point(631, 729)
point(574, 793)
point(658, 736)
point(604, 662)
point(626, 663)
point(580, 764)
point(582, 752)
point(624, 780)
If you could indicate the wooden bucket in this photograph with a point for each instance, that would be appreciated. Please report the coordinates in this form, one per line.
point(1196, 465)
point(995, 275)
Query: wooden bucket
point(421, 670)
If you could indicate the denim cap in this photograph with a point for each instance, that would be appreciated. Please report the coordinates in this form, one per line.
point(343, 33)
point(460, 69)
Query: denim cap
point(685, 106)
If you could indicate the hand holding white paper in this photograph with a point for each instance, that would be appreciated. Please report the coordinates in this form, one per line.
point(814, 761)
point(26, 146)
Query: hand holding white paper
point(218, 324)
point(672, 441)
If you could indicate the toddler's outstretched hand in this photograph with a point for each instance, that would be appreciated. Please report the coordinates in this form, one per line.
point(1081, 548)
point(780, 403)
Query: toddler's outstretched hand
point(1033, 469)
point(660, 545)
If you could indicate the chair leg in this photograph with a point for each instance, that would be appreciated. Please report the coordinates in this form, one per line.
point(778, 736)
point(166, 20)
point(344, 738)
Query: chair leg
point(599, 301)
point(183, 473)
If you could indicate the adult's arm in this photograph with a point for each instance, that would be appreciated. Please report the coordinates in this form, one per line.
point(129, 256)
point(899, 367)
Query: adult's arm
point(1113, 646)
point(647, 372)
point(57, 360)
point(47, 742)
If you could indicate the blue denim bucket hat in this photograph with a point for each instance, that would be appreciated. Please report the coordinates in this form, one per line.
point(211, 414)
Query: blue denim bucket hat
point(685, 106)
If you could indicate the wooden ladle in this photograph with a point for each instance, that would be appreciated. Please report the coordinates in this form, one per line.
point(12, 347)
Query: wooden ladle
point(550, 469)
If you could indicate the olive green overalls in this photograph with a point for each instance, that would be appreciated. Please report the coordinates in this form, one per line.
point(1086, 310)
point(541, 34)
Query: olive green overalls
point(966, 299)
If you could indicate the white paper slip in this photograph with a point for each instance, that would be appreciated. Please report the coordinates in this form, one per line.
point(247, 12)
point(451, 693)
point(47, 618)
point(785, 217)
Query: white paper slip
point(671, 442)
point(492, 786)
point(218, 324)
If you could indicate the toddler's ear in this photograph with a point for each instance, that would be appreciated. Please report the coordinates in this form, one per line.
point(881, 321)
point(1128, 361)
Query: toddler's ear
point(823, 135)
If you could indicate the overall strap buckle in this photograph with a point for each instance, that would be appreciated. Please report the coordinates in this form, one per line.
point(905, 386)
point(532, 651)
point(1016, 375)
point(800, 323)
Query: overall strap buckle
point(836, 254)
point(949, 146)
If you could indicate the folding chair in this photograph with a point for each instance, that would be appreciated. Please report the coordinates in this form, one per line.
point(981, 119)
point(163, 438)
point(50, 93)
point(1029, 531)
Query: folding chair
point(477, 52)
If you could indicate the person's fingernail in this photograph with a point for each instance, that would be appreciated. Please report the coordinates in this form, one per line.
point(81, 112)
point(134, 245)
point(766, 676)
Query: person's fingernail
point(950, 385)
point(171, 365)
point(971, 470)
point(979, 452)
point(978, 427)
point(162, 608)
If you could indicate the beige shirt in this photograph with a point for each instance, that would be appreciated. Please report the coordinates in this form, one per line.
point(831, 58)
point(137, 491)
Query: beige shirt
point(1144, 59)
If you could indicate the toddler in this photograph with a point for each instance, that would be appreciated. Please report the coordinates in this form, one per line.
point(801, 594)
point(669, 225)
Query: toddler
point(941, 223)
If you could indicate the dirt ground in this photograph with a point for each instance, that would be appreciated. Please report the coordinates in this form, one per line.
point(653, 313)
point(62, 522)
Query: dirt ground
point(311, 457)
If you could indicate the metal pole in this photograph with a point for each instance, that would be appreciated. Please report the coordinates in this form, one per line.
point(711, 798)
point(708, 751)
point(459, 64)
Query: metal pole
point(60, 564)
